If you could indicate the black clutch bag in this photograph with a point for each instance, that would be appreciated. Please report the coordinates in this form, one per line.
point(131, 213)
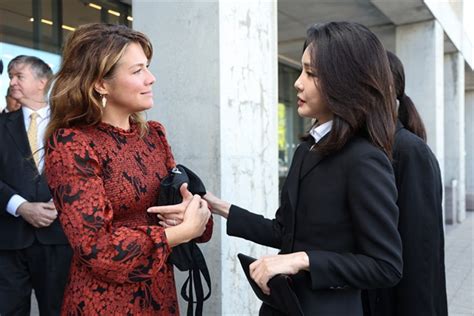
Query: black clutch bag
point(187, 256)
point(282, 296)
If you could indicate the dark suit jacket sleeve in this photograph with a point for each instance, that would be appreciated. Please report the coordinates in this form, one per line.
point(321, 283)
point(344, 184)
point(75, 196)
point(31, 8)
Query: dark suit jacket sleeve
point(250, 226)
point(372, 204)
point(6, 193)
point(421, 230)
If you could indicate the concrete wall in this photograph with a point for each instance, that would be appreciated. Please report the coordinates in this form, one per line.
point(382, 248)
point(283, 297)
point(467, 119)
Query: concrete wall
point(216, 93)
point(469, 132)
point(454, 167)
point(420, 47)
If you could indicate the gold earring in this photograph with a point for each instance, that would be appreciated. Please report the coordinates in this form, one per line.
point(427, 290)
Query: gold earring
point(104, 101)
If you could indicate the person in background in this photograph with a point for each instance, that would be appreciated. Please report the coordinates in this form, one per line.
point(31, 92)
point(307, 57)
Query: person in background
point(104, 165)
point(12, 104)
point(422, 290)
point(34, 252)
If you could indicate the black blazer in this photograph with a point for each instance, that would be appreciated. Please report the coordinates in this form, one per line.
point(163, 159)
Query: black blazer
point(340, 209)
point(422, 290)
point(19, 175)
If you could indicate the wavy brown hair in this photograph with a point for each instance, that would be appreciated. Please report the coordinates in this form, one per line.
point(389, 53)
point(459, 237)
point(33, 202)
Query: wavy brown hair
point(407, 112)
point(354, 79)
point(90, 55)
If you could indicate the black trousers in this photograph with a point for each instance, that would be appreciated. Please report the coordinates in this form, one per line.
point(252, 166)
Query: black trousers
point(44, 268)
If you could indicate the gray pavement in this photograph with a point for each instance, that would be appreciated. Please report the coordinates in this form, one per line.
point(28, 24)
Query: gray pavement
point(459, 245)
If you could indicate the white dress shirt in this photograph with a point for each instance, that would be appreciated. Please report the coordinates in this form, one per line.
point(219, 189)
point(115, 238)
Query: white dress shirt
point(320, 131)
point(42, 121)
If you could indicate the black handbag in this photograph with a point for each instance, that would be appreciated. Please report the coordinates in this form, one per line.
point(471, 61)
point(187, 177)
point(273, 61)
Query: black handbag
point(282, 296)
point(187, 256)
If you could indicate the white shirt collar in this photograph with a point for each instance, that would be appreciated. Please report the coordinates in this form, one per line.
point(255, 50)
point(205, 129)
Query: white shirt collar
point(42, 113)
point(42, 121)
point(320, 131)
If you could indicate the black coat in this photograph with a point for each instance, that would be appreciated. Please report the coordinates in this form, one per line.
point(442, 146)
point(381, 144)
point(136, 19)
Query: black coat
point(340, 209)
point(19, 175)
point(422, 290)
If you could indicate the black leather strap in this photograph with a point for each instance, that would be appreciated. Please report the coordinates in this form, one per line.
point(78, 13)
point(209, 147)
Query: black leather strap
point(193, 283)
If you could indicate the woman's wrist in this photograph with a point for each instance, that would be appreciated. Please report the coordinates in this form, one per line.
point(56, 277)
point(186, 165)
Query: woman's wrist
point(217, 206)
point(222, 208)
point(301, 261)
point(178, 234)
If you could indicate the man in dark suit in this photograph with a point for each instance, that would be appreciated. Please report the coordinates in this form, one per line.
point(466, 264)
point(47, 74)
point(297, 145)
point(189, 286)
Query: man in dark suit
point(34, 252)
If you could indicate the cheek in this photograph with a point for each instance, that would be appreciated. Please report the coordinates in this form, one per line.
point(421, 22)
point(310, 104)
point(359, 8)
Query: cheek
point(130, 87)
point(25, 87)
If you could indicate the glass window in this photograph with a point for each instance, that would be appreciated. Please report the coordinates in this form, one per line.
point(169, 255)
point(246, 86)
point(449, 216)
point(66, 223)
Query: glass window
point(77, 12)
point(15, 24)
point(45, 24)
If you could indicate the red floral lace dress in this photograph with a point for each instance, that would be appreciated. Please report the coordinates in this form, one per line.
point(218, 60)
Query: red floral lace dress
point(103, 179)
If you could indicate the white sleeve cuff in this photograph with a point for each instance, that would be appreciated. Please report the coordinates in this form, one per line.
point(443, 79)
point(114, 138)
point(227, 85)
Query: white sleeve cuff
point(14, 203)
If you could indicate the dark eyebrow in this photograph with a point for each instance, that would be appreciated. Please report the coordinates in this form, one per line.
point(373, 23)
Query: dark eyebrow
point(309, 67)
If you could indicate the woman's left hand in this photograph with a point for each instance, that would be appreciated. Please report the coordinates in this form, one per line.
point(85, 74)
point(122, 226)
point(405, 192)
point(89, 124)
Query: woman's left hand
point(172, 215)
point(263, 269)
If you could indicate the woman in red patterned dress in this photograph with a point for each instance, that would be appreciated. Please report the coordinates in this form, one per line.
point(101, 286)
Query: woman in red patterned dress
point(104, 164)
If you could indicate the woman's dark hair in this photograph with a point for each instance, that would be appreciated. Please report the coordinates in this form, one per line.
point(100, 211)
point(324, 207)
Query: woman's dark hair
point(354, 78)
point(407, 113)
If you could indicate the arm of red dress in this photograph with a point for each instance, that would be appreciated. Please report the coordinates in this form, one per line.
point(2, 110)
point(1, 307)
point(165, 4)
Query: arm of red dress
point(206, 236)
point(170, 163)
point(115, 254)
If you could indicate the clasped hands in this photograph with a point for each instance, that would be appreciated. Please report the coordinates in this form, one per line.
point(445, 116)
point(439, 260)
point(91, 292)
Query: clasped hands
point(192, 212)
point(38, 214)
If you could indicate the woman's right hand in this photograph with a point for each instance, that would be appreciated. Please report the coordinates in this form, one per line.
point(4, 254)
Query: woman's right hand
point(196, 216)
point(218, 206)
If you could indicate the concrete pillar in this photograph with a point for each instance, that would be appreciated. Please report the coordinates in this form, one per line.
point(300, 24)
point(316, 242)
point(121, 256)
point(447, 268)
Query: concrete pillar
point(469, 141)
point(420, 47)
point(216, 93)
point(454, 156)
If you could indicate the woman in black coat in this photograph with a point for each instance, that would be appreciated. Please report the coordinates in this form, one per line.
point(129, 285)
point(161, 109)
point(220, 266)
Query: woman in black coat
point(337, 223)
point(422, 290)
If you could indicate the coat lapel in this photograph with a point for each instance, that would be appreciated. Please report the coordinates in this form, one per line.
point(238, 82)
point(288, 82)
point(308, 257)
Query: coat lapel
point(311, 161)
point(16, 128)
point(293, 176)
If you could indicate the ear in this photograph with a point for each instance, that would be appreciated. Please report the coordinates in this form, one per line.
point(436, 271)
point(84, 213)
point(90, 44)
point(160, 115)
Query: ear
point(101, 87)
point(42, 84)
